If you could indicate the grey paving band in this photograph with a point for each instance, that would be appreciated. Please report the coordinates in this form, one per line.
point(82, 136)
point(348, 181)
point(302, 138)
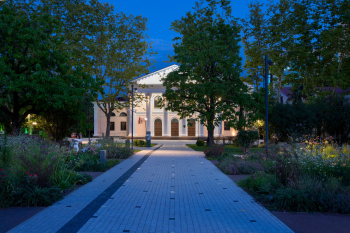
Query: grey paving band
point(85, 214)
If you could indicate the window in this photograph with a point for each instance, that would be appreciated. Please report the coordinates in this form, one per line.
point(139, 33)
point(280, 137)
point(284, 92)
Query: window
point(113, 114)
point(282, 99)
point(226, 127)
point(112, 126)
point(157, 102)
point(123, 114)
point(123, 126)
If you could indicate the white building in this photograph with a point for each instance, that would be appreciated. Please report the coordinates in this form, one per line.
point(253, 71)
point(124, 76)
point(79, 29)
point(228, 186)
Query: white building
point(148, 116)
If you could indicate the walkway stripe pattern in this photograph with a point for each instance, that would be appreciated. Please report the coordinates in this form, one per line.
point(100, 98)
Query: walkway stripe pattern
point(175, 189)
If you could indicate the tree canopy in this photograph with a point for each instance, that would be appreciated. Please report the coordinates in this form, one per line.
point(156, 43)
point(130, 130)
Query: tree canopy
point(35, 73)
point(207, 81)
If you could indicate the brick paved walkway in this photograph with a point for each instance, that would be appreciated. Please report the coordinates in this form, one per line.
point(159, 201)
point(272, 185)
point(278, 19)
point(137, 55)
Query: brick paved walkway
point(174, 189)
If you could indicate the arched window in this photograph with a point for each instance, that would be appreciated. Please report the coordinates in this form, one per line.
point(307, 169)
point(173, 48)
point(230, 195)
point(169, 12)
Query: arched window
point(174, 120)
point(113, 114)
point(157, 101)
point(123, 114)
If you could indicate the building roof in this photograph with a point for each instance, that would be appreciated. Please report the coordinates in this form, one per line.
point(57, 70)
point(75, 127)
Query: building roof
point(156, 76)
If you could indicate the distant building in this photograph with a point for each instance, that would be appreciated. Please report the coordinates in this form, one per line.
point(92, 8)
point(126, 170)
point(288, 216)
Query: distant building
point(149, 116)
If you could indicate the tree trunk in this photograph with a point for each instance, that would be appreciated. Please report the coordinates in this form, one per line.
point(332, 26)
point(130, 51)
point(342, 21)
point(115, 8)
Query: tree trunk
point(108, 128)
point(210, 128)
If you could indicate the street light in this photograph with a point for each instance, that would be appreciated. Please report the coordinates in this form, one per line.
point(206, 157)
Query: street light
point(267, 63)
point(132, 116)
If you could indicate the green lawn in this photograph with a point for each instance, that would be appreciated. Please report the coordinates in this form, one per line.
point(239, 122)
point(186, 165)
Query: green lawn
point(152, 144)
point(228, 148)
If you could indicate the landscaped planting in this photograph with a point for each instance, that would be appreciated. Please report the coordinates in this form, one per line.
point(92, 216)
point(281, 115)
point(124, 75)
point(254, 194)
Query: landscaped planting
point(299, 177)
point(37, 172)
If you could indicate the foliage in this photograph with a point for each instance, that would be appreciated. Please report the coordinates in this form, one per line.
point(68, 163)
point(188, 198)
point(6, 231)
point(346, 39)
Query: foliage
point(120, 53)
point(214, 151)
point(39, 171)
point(208, 79)
point(293, 178)
point(200, 143)
point(142, 143)
point(246, 138)
point(114, 150)
point(35, 75)
point(317, 117)
point(289, 199)
point(259, 182)
point(254, 42)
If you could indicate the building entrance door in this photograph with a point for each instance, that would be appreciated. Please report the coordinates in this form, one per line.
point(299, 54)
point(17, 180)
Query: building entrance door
point(158, 127)
point(191, 128)
point(174, 127)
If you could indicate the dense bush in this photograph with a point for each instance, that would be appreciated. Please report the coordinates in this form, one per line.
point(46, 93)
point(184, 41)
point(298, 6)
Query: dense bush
point(115, 150)
point(323, 115)
point(214, 151)
point(36, 172)
point(142, 143)
point(136, 142)
point(314, 177)
point(200, 143)
point(246, 138)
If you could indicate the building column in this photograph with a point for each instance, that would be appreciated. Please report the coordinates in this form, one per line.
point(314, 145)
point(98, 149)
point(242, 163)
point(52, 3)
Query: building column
point(135, 122)
point(165, 119)
point(95, 120)
point(220, 128)
point(183, 126)
point(149, 113)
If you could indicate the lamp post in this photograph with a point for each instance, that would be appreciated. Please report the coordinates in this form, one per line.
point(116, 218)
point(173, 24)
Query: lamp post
point(267, 63)
point(132, 116)
point(146, 123)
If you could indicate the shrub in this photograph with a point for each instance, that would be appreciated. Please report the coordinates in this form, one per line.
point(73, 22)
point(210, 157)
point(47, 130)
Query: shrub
point(227, 165)
point(214, 152)
point(142, 143)
point(260, 183)
point(136, 142)
point(200, 143)
point(245, 139)
point(262, 145)
point(289, 199)
point(235, 166)
point(40, 196)
point(127, 143)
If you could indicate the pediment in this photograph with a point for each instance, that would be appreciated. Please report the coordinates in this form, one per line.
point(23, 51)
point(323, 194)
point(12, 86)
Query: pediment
point(155, 78)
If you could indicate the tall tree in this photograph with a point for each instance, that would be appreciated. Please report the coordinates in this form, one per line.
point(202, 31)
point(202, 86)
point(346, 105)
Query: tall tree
point(279, 37)
point(208, 78)
point(255, 44)
point(35, 75)
point(119, 52)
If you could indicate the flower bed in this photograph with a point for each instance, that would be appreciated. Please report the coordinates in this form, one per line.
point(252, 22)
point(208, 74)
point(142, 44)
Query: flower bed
point(36, 172)
point(293, 178)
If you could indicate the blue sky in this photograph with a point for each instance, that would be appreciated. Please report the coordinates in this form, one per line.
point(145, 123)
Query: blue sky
point(160, 14)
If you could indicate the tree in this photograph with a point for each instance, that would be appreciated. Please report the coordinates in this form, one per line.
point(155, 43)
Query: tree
point(254, 44)
point(119, 53)
point(35, 75)
point(208, 78)
point(279, 38)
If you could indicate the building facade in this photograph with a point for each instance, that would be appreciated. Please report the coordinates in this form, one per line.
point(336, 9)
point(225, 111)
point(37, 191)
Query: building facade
point(149, 116)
